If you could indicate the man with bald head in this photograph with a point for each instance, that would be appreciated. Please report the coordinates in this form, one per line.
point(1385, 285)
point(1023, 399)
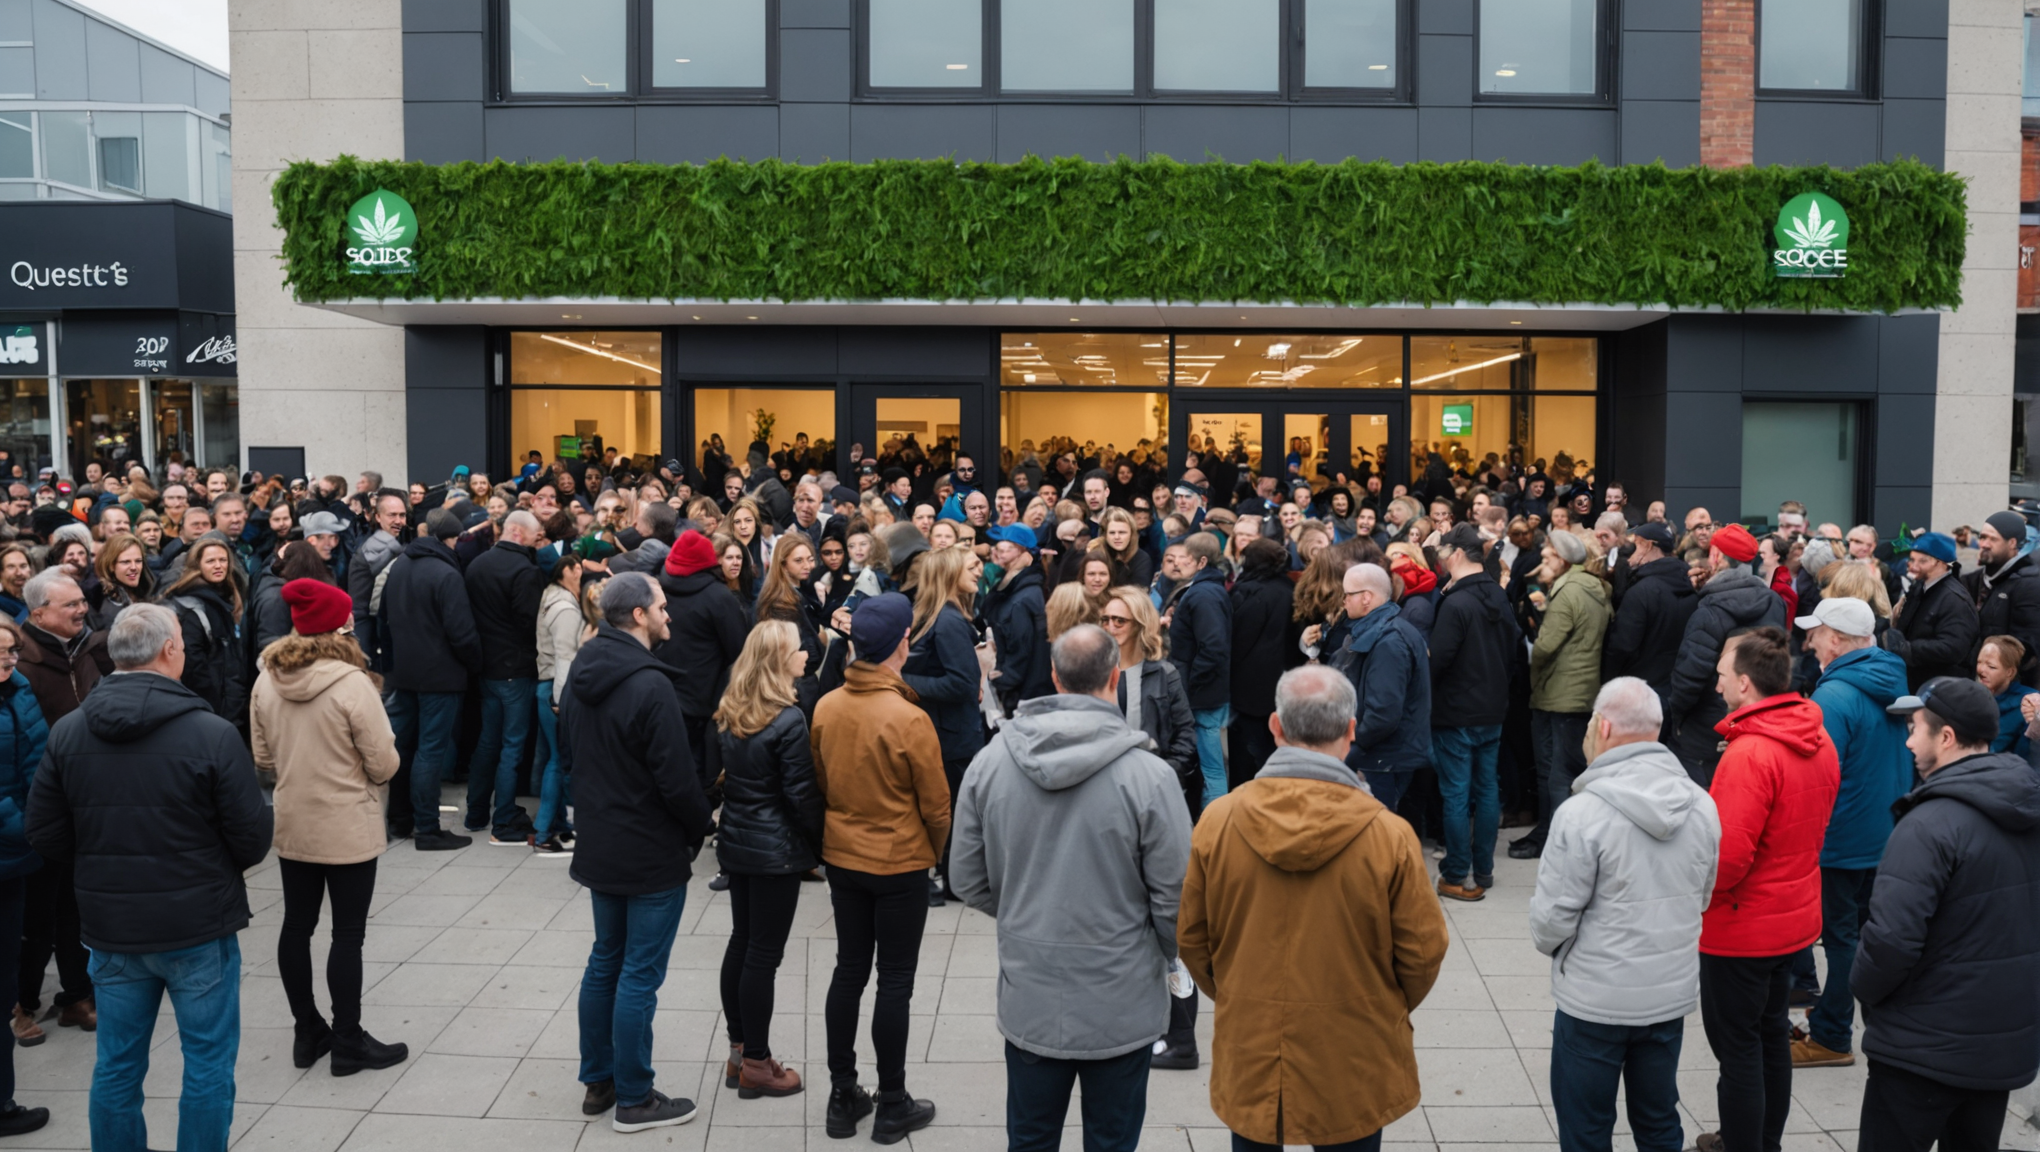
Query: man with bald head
point(1389, 664)
point(504, 585)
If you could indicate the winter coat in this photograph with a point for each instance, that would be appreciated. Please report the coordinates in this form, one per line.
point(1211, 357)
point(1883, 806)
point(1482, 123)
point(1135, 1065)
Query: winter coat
point(504, 587)
point(1626, 873)
point(1309, 920)
point(1774, 789)
point(1644, 636)
point(1170, 726)
point(639, 811)
point(879, 766)
point(1200, 640)
point(62, 674)
point(1390, 669)
point(1017, 617)
point(1870, 748)
point(215, 656)
point(558, 637)
point(1474, 646)
point(1945, 967)
point(433, 646)
point(109, 599)
point(705, 634)
point(23, 736)
point(1565, 663)
point(942, 669)
point(319, 724)
point(1074, 838)
point(153, 799)
point(2009, 605)
point(1263, 639)
point(2011, 735)
point(1934, 631)
point(268, 615)
point(1732, 600)
point(772, 810)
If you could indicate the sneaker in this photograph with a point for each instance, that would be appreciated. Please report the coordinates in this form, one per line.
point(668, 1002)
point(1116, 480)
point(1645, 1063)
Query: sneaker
point(1178, 1057)
point(1525, 849)
point(935, 899)
point(440, 840)
point(27, 1033)
point(18, 1121)
point(767, 1077)
point(600, 1098)
point(550, 846)
point(847, 1105)
point(1460, 891)
point(309, 1045)
point(721, 883)
point(899, 1114)
point(657, 1111)
point(83, 1015)
point(566, 837)
point(365, 1051)
point(1810, 1053)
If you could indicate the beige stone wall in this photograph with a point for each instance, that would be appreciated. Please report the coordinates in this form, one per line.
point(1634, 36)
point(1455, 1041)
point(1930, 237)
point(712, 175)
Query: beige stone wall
point(313, 79)
point(1973, 412)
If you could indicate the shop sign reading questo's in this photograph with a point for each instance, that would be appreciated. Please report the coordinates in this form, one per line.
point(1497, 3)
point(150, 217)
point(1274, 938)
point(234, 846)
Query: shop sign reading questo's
point(1813, 238)
point(384, 231)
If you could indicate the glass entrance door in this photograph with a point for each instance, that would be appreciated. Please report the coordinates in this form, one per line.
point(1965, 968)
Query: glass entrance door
point(938, 419)
point(1294, 439)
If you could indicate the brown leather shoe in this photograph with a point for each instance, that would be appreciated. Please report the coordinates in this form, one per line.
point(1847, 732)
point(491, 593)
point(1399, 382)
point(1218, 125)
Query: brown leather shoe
point(766, 1077)
point(27, 1032)
point(84, 1014)
point(1465, 890)
point(1812, 1053)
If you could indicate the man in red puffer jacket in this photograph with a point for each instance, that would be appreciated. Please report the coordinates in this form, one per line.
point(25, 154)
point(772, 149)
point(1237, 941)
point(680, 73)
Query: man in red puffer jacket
point(1774, 788)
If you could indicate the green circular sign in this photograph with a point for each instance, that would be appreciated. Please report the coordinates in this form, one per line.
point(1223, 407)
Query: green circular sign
point(382, 235)
point(1813, 238)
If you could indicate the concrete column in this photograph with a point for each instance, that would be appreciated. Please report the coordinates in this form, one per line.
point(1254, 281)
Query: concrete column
point(311, 81)
point(1973, 403)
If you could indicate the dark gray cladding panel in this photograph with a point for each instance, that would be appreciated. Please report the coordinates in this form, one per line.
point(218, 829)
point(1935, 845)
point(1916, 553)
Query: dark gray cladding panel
point(921, 132)
point(441, 357)
point(1916, 18)
point(1816, 132)
point(1905, 438)
point(1917, 129)
point(1194, 133)
point(1661, 15)
point(956, 353)
point(446, 15)
point(1915, 69)
point(523, 134)
point(814, 13)
point(754, 353)
point(444, 133)
point(1793, 354)
point(1544, 135)
point(1444, 70)
point(814, 65)
point(813, 133)
point(1097, 132)
point(698, 133)
point(1449, 16)
point(1704, 354)
point(1909, 354)
point(446, 428)
point(1330, 135)
point(1444, 134)
point(1661, 66)
point(1667, 130)
point(444, 66)
point(1902, 504)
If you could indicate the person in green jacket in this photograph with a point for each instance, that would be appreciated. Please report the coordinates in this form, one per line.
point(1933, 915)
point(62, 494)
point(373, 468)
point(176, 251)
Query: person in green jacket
point(1565, 673)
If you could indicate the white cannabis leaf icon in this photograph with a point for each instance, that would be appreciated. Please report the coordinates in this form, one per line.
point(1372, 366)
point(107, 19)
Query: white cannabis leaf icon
point(1812, 232)
point(387, 229)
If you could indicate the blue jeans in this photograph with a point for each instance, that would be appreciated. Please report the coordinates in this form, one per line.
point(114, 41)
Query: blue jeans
point(506, 726)
point(1388, 786)
point(1038, 1100)
point(426, 721)
point(1844, 906)
point(1465, 760)
point(1211, 748)
point(204, 982)
point(1588, 1059)
point(552, 786)
point(620, 989)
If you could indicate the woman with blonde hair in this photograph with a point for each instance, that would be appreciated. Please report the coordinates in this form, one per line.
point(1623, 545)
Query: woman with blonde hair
point(124, 578)
point(1118, 540)
point(785, 596)
point(943, 670)
point(316, 719)
point(1067, 607)
point(1845, 578)
point(706, 516)
point(770, 834)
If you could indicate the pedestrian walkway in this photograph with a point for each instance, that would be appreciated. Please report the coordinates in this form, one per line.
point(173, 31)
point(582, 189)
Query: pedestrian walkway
point(474, 957)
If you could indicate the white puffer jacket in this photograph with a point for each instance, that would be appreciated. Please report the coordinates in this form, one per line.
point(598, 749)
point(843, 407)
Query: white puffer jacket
point(1626, 872)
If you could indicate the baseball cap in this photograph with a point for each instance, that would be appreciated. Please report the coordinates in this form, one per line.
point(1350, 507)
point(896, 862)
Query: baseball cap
point(1939, 545)
point(1654, 532)
point(1019, 534)
point(843, 495)
point(1465, 538)
point(880, 623)
point(1844, 614)
point(1964, 705)
point(1736, 543)
point(322, 524)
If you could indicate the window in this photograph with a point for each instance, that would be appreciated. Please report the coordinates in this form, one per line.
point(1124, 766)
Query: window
point(1541, 48)
point(569, 47)
point(1042, 423)
point(1502, 363)
point(708, 43)
point(17, 145)
point(1806, 452)
point(2030, 105)
point(174, 420)
point(25, 422)
point(925, 43)
point(1810, 46)
point(17, 73)
point(781, 417)
point(105, 422)
point(1084, 359)
point(1350, 44)
point(1261, 360)
point(67, 147)
point(1066, 46)
point(220, 420)
point(1218, 45)
point(118, 138)
point(171, 139)
point(574, 393)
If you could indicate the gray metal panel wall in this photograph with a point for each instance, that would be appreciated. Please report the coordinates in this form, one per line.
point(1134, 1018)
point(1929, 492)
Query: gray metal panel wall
point(696, 134)
point(1097, 132)
point(539, 132)
point(113, 63)
point(446, 379)
point(166, 79)
point(59, 52)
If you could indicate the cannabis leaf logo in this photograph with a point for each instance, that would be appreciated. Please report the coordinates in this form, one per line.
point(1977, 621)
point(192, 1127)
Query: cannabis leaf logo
point(1807, 232)
point(388, 228)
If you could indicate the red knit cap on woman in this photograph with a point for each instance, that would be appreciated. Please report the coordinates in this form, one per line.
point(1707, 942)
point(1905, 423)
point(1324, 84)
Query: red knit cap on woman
point(317, 607)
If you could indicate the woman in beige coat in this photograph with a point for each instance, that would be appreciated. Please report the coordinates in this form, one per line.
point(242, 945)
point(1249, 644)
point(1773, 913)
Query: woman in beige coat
point(316, 719)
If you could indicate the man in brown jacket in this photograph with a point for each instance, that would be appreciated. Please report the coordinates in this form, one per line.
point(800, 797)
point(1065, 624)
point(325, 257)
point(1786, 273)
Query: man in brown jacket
point(61, 655)
point(1308, 918)
point(879, 766)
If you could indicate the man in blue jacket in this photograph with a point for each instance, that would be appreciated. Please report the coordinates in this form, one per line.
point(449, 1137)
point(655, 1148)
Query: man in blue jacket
point(1390, 667)
point(1200, 644)
point(1858, 681)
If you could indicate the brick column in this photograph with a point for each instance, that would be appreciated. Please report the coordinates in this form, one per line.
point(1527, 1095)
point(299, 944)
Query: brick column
point(1728, 82)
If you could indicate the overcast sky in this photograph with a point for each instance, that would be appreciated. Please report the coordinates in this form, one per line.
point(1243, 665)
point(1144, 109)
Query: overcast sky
point(195, 27)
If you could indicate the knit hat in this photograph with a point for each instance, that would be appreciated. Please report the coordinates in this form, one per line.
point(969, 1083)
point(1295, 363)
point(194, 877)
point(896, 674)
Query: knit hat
point(1736, 543)
point(1570, 548)
point(2009, 525)
point(691, 553)
point(442, 524)
point(1654, 532)
point(317, 607)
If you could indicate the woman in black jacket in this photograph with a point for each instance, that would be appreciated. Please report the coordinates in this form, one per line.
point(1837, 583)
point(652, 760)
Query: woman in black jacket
point(208, 604)
point(771, 833)
point(1263, 648)
point(124, 579)
point(783, 598)
point(1151, 692)
point(942, 667)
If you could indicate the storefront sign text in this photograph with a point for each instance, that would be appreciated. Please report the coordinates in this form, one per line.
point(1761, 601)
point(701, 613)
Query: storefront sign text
point(218, 350)
point(1813, 238)
point(384, 234)
point(27, 275)
point(20, 346)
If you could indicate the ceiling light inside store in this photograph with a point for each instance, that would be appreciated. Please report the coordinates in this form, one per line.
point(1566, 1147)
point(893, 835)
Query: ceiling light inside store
point(1158, 344)
point(1505, 71)
point(570, 315)
point(957, 67)
point(1515, 321)
point(1278, 351)
point(750, 317)
point(1377, 67)
point(682, 60)
point(580, 347)
point(1468, 368)
point(1028, 377)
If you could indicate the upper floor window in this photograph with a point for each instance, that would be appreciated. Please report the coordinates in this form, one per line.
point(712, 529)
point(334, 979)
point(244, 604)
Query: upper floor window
point(569, 47)
point(1812, 46)
point(1543, 49)
point(1350, 44)
point(1218, 45)
point(1067, 46)
point(2031, 84)
point(708, 43)
point(622, 48)
point(927, 43)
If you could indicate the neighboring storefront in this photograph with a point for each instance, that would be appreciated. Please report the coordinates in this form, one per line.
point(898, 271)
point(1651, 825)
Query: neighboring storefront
point(117, 335)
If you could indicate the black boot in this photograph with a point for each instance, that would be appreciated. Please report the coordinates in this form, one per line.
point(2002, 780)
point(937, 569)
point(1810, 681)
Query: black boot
point(313, 1041)
point(899, 1114)
point(351, 1055)
point(847, 1105)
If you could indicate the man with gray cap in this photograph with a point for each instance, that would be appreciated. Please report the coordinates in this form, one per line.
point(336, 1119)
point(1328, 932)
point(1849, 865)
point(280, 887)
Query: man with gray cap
point(1565, 672)
point(1933, 626)
point(434, 648)
point(2006, 588)
point(1945, 969)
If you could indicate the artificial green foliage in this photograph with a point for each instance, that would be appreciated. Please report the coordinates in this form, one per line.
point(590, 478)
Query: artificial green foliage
point(1352, 233)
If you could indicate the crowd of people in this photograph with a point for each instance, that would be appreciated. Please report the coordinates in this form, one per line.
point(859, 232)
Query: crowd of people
point(1186, 735)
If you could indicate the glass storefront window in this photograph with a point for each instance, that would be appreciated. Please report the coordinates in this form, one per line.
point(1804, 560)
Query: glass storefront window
point(1540, 47)
point(220, 418)
point(1044, 423)
point(631, 359)
point(1498, 363)
point(1349, 44)
point(708, 43)
point(926, 43)
point(173, 418)
point(1218, 46)
point(580, 423)
point(1465, 429)
point(1810, 45)
point(1234, 433)
point(1260, 360)
point(1799, 451)
point(104, 419)
point(569, 47)
point(24, 426)
point(784, 419)
point(1103, 359)
point(1066, 46)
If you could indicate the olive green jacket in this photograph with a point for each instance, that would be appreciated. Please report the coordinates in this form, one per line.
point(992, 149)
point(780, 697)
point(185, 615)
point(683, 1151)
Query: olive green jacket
point(1565, 663)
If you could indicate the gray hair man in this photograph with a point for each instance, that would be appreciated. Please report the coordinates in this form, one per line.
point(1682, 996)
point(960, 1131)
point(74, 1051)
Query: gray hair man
point(61, 655)
point(1075, 838)
point(504, 587)
point(1626, 872)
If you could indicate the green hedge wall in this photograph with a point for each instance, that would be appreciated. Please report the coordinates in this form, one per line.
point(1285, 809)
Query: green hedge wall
point(1351, 233)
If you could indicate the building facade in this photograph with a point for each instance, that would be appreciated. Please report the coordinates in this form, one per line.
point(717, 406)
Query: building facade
point(1898, 417)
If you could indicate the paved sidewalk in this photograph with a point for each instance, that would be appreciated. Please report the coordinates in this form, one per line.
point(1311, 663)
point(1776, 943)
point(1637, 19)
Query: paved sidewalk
point(474, 957)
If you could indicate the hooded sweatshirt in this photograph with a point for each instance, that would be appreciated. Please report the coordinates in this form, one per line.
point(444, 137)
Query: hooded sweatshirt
point(1870, 746)
point(1075, 839)
point(1625, 875)
point(1774, 789)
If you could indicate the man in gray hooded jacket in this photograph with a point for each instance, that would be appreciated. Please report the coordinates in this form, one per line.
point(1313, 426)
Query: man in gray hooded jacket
point(1626, 872)
point(1044, 821)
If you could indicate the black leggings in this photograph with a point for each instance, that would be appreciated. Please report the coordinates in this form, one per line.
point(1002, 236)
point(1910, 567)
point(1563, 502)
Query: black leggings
point(884, 915)
point(49, 926)
point(304, 888)
point(761, 918)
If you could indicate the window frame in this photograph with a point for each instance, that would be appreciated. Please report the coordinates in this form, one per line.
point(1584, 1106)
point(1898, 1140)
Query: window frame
point(1605, 65)
point(1403, 91)
point(1870, 18)
point(638, 88)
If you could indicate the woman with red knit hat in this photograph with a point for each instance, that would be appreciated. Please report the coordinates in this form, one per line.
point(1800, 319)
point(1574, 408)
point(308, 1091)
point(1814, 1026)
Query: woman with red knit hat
point(316, 719)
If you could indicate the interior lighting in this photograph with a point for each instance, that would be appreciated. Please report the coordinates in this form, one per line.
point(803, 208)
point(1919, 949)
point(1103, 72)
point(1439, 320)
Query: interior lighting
point(1028, 377)
point(957, 67)
point(1278, 350)
point(1515, 321)
point(1468, 368)
point(1377, 67)
point(592, 351)
point(682, 60)
point(1505, 71)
